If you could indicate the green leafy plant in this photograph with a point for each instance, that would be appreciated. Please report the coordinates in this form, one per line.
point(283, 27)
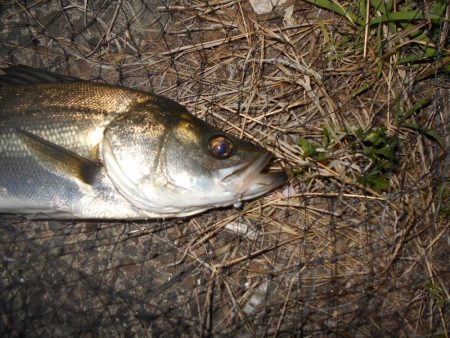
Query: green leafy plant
point(414, 32)
point(381, 151)
point(318, 152)
point(437, 294)
point(309, 149)
point(406, 120)
point(379, 148)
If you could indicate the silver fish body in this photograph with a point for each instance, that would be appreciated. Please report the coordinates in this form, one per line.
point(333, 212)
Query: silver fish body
point(75, 149)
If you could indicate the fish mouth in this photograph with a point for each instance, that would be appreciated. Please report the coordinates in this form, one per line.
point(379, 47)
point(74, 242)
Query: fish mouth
point(250, 179)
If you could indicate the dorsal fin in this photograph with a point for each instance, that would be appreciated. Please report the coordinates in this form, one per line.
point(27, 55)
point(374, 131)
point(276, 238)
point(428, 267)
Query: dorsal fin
point(21, 75)
point(60, 160)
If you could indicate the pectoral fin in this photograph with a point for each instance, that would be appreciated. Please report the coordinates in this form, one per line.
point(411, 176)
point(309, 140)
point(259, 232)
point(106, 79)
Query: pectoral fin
point(60, 160)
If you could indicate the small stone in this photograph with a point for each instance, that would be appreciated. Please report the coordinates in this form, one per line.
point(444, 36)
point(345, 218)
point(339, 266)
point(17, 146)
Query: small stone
point(265, 6)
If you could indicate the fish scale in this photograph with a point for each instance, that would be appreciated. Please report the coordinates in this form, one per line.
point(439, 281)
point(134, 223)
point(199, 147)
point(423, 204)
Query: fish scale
point(65, 114)
point(77, 149)
point(62, 113)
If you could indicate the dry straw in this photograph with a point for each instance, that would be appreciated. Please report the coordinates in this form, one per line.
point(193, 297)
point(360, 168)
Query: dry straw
point(353, 100)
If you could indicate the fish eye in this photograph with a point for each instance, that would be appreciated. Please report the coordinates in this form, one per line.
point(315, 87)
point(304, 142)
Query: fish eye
point(220, 147)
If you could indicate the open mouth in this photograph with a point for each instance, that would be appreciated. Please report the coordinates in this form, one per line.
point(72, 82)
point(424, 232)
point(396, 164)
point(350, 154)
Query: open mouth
point(250, 179)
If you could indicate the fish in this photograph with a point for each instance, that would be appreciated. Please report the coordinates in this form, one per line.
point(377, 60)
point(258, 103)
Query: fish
point(74, 149)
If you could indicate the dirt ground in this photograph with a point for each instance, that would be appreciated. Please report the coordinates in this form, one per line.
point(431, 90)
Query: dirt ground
point(335, 253)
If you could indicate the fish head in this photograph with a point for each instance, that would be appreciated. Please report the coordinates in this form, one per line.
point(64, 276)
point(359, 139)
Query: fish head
point(170, 163)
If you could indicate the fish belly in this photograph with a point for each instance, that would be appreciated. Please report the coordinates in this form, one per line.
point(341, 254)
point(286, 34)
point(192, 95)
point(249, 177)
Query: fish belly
point(33, 191)
point(26, 187)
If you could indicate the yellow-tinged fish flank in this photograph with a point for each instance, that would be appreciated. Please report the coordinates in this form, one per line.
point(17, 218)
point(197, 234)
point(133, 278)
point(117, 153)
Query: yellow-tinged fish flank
point(76, 149)
point(72, 114)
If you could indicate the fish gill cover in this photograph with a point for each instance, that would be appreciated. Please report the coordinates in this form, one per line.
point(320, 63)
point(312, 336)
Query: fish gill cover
point(353, 99)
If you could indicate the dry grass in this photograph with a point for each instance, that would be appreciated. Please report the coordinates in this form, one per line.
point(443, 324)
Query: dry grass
point(333, 254)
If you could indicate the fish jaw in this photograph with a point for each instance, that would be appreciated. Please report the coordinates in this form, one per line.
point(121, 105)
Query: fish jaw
point(247, 181)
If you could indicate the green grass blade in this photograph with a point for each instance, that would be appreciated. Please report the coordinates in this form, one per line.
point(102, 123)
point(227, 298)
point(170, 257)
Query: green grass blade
point(406, 16)
point(332, 6)
point(427, 132)
point(417, 106)
point(428, 53)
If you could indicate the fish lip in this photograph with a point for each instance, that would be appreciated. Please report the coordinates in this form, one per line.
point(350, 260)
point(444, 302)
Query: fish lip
point(265, 182)
point(250, 179)
point(246, 168)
